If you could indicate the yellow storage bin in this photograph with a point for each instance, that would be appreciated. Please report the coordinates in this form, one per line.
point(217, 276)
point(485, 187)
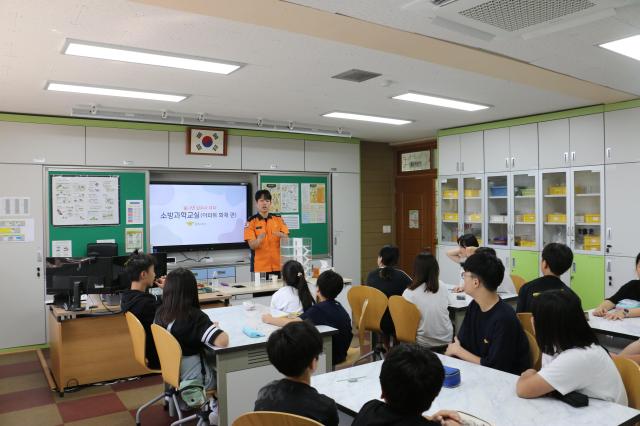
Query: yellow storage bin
point(527, 243)
point(450, 216)
point(528, 217)
point(471, 193)
point(592, 242)
point(592, 218)
point(557, 190)
point(557, 218)
point(473, 217)
point(450, 193)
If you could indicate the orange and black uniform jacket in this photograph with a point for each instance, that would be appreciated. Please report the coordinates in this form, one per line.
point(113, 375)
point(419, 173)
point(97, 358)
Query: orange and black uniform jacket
point(265, 258)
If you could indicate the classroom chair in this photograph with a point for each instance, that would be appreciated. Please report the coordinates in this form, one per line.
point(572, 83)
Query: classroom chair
point(534, 351)
point(138, 340)
point(518, 282)
point(377, 303)
point(630, 373)
point(170, 355)
point(406, 318)
point(273, 418)
point(525, 321)
point(353, 354)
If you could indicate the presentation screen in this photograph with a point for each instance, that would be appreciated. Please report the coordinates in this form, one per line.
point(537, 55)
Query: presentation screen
point(197, 216)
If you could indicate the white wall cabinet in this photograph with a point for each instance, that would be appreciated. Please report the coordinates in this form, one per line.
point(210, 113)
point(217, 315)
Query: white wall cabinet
point(127, 147)
point(622, 207)
point(178, 156)
point(42, 144)
point(618, 271)
point(322, 156)
point(586, 140)
point(272, 154)
point(22, 317)
point(511, 148)
point(461, 154)
point(622, 136)
point(554, 143)
point(345, 209)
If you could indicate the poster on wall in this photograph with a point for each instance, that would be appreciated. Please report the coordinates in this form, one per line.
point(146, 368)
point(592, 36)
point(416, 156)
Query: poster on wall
point(292, 221)
point(85, 200)
point(15, 206)
point(135, 212)
point(17, 230)
point(314, 203)
point(61, 248)
point(133, 239)
point(284, 197)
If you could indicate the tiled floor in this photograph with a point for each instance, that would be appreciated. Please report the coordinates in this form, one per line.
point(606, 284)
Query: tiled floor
point(25, 399)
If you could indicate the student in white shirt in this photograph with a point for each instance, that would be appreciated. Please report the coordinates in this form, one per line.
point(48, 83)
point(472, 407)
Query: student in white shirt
point(467, 245)
point(573, 360)
point(435, 329)
point(295, 297)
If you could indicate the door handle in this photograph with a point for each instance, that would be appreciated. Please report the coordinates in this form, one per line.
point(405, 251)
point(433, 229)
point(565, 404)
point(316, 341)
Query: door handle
point(457, 166)
point(513, 162)
point(608, 234)
point(608, 266)
point(513, 262)
point(566, 157)
point(462, 166)
point(609, 153)
point(573, 156)
point(506, 162)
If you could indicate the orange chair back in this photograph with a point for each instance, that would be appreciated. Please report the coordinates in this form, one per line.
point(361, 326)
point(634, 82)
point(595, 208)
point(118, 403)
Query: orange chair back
point(169, 353)
point(525, 321)
point(138, 340)
point(406, 318)
point(630, 373)
point(534, 351)
point(518, 282)
point(377, 303)
point(273, 418)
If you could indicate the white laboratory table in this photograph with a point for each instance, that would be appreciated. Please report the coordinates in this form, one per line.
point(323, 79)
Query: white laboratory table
point(628, 328)
point(243, 367)
point(484, 392)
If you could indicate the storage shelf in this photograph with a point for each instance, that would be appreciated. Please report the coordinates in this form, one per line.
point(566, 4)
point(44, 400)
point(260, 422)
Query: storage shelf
point(471, 223)
point(525, 196)
point(445, 198)
point(449, 221)
point(554, 196)
point(498, 197)
point(588, 195)
point(473, 198)
point(587, 224)
point(555, 223)
point(498, 223)
point(525, 223)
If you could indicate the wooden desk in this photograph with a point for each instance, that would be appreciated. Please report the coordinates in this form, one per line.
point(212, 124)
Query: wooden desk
point(93, 345)
point(484, 392)
point(243, 367)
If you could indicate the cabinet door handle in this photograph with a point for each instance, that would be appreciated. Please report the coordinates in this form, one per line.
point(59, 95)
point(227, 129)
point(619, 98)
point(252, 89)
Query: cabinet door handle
point(513, 262)
point(273, 166)
point(462, 166)
point(608, 234)
point(40, 160)
point(608, 266)
point(208, 165)
point(513, 162)
point(506, 162)
point(609, 153)
point(334, 169)
point(127, 162)
point(573, 156)
point(574, 267)
point(566, 157)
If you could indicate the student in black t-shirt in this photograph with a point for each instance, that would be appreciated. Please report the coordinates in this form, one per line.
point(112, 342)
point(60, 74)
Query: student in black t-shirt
point(556, 260)
point(491, 334)
point(180, 314)
point(294, 350)
point(327, 311)
point(390, 280)
point(140, 269)
point(630, 290)
point(411, 377)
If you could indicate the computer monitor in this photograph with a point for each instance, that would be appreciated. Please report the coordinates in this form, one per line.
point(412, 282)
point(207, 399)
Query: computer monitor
point(102, 249)
point(69, 277)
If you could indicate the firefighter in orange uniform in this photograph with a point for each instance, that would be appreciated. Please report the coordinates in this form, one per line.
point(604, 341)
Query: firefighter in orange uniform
point(263, 232)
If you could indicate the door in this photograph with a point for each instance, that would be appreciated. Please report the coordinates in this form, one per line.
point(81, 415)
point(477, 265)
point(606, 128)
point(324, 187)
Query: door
point(345, 208)
point(621, 135)
point(622, 207)
point(449, 155)
point(471, 153)
point(524, 214)
point(586, 140)
point(618, 272)
point(523, 144)
point(585, 279)
point(497, 156)
point(473, 208)
point(554, 144)
point(449, 209)
point(415, 218)
point(22, 318)
point(555, 206)
point(587, 210)
point(497, 207)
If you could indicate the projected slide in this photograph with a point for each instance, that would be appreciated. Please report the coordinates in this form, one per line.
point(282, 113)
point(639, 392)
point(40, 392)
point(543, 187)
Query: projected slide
point(196, 214)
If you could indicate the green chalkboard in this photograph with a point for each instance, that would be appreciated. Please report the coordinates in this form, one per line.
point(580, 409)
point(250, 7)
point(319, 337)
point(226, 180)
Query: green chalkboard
point(132, 186)
point(318, 232)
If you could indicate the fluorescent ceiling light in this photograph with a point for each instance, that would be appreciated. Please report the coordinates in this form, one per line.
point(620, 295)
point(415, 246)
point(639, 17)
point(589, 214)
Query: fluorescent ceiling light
point(147, 57)
point(438, 101)
point(106, 91)
point(629, 46)
point(372, 118)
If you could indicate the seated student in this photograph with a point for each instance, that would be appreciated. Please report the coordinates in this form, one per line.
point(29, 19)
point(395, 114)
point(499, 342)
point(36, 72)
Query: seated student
point(180, 314)
point(390, 280)
point(140, 269)
point(467, 245)
point(490, 334)
point(328, 311)
point(556, 260)
point(294, 350)
point(632, 351)
point(432, 300)
point(572, 358)
point(630, 291)
point(411, 378)
point(294, 297)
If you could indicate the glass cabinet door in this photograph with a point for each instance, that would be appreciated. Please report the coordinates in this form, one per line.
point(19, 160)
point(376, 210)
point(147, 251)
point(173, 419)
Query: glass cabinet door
point(498, 210)
point(587, 210)
point(555, 207)
point(449, 210)
point(472, 202)
point(525, 212)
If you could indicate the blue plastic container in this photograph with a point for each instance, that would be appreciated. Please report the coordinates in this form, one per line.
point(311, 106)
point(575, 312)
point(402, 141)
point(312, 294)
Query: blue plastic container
point(451, 377)
point(498, 191)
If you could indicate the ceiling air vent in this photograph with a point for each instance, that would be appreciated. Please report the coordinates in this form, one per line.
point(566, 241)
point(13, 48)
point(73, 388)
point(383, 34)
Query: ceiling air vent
point(356, 75)
point(514, 15)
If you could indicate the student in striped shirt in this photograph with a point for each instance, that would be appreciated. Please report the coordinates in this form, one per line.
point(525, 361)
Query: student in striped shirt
point(180, 314)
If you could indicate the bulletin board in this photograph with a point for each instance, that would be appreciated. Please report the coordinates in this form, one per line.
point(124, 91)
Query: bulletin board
point(303, 202)
point(128, 230)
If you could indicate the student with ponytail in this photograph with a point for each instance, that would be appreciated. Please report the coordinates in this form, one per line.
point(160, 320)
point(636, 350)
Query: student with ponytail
point(295, 297)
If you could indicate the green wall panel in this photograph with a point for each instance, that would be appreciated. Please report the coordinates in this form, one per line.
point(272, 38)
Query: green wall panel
point(587, 280)
point(527, 264)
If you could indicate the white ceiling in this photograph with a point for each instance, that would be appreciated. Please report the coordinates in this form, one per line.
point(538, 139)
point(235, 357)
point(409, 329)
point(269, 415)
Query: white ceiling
point(287, 77)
